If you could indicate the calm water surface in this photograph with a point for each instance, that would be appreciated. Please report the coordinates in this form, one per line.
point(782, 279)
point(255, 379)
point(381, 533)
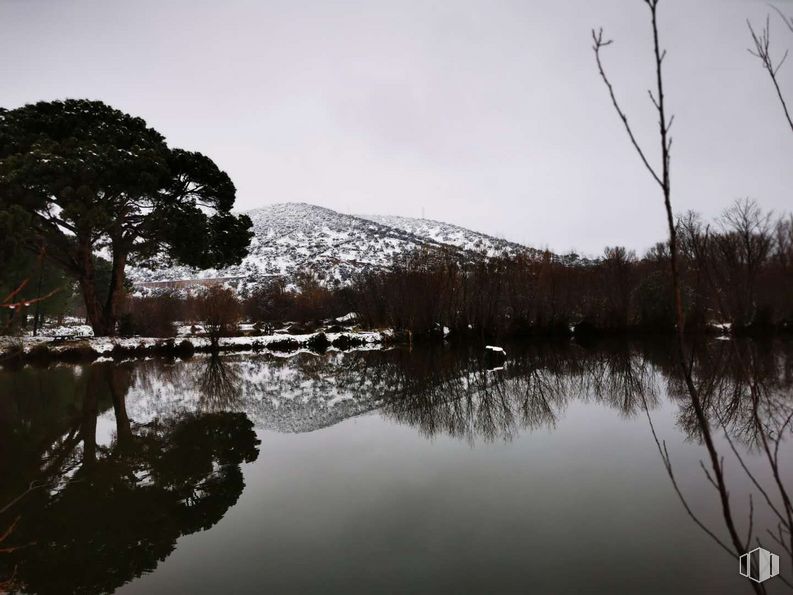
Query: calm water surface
point(423, 471)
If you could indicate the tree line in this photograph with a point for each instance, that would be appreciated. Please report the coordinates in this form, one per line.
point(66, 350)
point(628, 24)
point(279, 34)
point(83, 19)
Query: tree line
point(737, 270)
point(736, 275)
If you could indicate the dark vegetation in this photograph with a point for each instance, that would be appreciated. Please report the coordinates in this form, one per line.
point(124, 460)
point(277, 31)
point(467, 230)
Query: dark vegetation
point(78, 177)
point(738, 270)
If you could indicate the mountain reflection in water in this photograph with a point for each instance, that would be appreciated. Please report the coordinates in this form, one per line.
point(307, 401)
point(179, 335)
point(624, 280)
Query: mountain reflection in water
point(105, 466)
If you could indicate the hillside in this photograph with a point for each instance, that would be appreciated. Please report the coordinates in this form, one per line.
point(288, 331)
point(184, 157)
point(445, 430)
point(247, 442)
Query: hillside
point(293, 238)
point(451, 235)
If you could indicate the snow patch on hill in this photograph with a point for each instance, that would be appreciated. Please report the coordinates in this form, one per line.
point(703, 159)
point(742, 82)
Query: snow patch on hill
point(452, 235)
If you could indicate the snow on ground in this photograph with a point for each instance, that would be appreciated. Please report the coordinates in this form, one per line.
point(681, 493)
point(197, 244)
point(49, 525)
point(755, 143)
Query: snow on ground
point(80, 330)
point(103, 346)
point(347, 317)
point(69, 327)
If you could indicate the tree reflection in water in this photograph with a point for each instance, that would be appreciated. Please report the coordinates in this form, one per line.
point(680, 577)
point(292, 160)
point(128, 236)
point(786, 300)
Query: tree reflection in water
point(746, 390)
point(220, 385)
point(461, 397)
point(110, 512)
point(94, 517)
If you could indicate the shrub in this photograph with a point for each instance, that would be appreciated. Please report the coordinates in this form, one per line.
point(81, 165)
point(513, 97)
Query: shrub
point(150, 316)
point(220, 311)
point(319, 343)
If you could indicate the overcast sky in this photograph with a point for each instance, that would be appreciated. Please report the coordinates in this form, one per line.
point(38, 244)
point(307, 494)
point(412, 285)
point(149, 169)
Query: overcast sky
point(488, 114)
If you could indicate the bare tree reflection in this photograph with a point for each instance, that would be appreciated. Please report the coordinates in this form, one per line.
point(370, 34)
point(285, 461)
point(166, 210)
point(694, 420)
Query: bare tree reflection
point(465, 399)
point(220, 385)
point(746, 388)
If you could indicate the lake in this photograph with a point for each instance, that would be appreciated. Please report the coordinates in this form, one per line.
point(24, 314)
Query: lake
point(423, 470)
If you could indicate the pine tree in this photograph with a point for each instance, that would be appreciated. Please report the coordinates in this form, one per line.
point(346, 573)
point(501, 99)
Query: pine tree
point(91, 179)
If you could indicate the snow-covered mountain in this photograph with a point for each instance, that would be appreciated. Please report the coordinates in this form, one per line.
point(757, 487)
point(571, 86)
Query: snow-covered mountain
point(451, 235)
point(292, 238)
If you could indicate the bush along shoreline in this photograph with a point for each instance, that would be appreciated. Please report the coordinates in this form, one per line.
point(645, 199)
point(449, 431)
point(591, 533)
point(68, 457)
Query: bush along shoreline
point(81, 349)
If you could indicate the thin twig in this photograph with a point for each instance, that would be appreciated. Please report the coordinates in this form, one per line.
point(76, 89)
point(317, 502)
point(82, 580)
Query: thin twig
point(762, 51)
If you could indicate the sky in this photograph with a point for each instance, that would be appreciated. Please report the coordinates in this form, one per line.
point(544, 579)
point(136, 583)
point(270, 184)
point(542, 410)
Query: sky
point(488, 114)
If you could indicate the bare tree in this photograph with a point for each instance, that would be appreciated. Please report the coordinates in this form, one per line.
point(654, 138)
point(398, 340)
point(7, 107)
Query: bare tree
point(220, 311)
point(741, 252)
point(661, 175)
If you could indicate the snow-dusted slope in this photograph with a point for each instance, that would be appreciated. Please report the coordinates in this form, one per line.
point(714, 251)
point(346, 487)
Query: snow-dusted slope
point(451, 235)
point(291, 238)
point(302, 393)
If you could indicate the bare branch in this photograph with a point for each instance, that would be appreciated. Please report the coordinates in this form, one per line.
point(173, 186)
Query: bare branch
point(785, 19)
point(599, 44)
point(667, 461)
point(707, 474)
point(762, 51)
point(751, 522)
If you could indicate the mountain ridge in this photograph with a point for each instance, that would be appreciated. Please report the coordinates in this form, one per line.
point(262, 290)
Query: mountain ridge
point(292, 239)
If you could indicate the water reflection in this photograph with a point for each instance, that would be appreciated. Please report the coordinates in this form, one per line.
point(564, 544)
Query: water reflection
point(109, 464)
point(462, 398)
point(745, 389)
point(88, 516)
point(220, 386)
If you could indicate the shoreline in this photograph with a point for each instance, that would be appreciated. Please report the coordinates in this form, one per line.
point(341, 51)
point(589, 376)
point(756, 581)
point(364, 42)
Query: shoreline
point(46, 349)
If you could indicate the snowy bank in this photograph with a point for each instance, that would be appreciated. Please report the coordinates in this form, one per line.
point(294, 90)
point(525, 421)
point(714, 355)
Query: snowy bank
point(119, 348)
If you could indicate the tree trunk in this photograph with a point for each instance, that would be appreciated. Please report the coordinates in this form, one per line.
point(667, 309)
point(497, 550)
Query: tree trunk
point(115, 295)
point(117, 391)
point(93, 309)
point(88, 423)
point(102, 317)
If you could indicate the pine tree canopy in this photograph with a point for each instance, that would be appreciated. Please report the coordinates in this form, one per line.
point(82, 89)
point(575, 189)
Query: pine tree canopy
point(90, 177)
